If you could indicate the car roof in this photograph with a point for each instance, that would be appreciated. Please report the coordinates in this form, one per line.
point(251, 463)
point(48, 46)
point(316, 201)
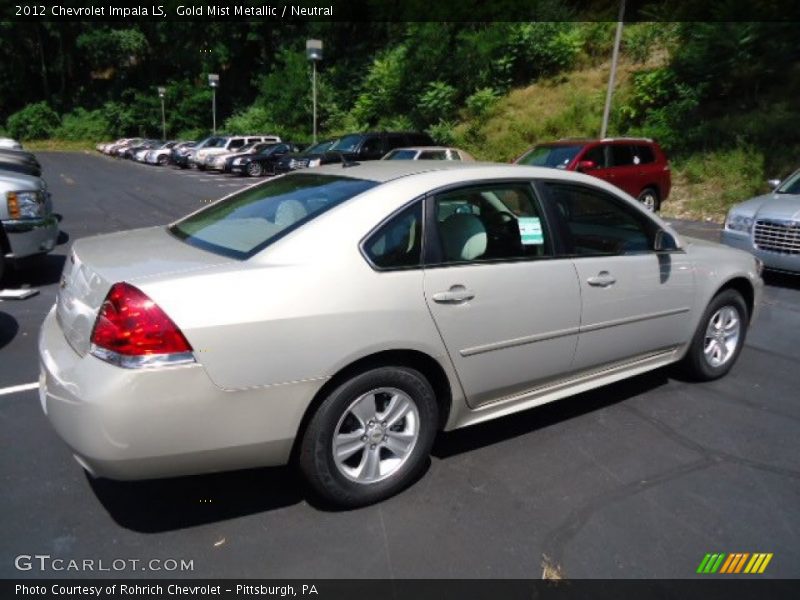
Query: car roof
point(387, 170)
point(425, 148)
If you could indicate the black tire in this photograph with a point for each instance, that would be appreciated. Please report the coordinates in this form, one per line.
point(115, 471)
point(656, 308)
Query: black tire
point(649, 197)
point(695, 364)
point(162, 160)
point(254, 169)
point(316, 456)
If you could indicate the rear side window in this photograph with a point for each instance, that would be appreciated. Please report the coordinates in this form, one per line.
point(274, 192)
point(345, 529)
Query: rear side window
point(434, 155)
point(621, 155)
point(493, 222)
point(643, 155)
point(245, 223)
point(398, 243)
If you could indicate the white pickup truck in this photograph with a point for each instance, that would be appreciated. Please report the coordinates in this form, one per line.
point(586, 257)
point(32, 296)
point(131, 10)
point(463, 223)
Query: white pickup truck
point(29, 227)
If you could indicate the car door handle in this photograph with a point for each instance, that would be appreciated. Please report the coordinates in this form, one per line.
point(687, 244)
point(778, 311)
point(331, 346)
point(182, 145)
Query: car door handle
point(602, 279)
point(455, 295)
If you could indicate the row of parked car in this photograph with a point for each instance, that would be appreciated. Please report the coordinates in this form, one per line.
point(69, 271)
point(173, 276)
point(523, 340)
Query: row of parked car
point(636, 165)
point(28, 227)
point(257, 155)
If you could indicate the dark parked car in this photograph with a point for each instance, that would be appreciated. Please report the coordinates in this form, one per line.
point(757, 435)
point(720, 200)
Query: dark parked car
point(310, 157)
point(637, 166)
point(372, 146)
point(262, 162)
point(184, 157)
point(19, 161)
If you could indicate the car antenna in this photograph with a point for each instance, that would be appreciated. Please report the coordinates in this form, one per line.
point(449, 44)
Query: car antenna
point(346, 162)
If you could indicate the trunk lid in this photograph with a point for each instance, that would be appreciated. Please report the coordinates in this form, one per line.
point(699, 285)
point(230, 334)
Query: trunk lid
point(95, 264)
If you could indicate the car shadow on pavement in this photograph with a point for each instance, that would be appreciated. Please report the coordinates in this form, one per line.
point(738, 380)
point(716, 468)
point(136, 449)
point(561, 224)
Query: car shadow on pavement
point(528, 421)
point(8, 329)
point(36, 272)
point(784, 280)
point(160, 505)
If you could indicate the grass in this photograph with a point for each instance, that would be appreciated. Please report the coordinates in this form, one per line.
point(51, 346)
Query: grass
point(59, 145)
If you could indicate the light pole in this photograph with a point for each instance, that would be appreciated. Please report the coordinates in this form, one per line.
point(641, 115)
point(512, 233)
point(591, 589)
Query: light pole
point(161, 93)
point(213, 81)
point(612, 76)
point(314, 54)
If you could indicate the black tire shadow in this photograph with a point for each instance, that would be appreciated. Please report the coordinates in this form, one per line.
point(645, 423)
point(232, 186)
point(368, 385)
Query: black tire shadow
point(160, 505)
point(522, 423)
point(8, 329)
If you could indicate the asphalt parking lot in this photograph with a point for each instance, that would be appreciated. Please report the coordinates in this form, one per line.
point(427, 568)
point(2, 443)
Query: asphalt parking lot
point(637, 479)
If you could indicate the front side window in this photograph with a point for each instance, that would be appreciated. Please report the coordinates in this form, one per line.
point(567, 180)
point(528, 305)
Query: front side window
point(597, 223)
point(494, 222)
point(398, 243)
point(555, 156)
point(247, 222)
point(235, 144)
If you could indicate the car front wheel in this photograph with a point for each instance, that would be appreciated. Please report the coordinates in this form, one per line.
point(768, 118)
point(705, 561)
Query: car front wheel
point(719, 337)
point(370, 437)
point(254, 169)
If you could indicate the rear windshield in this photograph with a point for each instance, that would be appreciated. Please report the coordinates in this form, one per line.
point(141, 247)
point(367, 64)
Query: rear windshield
point(557, 157)
point(247, 222)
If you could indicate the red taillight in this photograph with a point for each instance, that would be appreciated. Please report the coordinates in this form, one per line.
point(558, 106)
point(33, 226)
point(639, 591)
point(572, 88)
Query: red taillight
point(131, 324)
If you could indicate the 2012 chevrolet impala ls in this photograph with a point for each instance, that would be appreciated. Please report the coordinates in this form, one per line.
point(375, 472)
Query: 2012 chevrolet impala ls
point(339, 318)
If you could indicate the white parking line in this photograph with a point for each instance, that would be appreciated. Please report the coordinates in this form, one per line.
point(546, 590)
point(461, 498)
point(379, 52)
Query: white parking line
point(18, 388)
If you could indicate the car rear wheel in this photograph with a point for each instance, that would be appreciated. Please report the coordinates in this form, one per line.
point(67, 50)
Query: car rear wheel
point(370, 437)
point(255, 169)
point(649, 197)
point(163, 160)
point(719, 337)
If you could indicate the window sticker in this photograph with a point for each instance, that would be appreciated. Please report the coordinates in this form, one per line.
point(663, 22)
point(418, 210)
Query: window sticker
point(530, 231)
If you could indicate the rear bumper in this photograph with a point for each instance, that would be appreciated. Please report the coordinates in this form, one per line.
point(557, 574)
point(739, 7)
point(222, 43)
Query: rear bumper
point(30, 237)
point(772, 260)
point(162, 422)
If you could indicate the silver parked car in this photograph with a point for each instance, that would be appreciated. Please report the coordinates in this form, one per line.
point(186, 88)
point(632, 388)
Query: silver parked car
point(769, 226)
point(341, 316)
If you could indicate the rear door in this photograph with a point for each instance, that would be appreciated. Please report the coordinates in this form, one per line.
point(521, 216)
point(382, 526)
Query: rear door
point(507, 310)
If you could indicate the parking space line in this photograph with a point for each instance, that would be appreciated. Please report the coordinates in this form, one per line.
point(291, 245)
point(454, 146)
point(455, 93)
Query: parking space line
point(19, 388)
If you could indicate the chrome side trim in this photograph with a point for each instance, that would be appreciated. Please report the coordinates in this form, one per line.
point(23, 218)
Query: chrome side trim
point(551, 335)
point(521, 341)
point(635, 319)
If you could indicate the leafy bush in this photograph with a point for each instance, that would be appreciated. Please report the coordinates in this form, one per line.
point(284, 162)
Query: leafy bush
point(479, 103)
point(35, 121)
point(437, 103)
point(83, 124)
point(382, 87)
point(254, 119)
point(444, 133)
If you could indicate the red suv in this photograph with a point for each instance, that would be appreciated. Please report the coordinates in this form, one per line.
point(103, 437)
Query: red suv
point(638, 166)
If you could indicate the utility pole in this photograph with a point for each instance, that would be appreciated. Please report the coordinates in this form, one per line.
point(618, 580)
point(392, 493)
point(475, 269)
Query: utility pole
point(213, 81)
point(612, 76)
point(161, 93)
point(314, 54)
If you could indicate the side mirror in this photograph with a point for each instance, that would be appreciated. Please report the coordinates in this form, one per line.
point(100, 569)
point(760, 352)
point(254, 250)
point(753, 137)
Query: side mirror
point(664, 241)
point(773, 183)
point(586, 165)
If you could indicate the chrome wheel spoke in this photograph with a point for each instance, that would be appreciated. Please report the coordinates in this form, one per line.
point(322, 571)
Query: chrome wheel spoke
point(398, 408)
point(399, 443)
point(364, 409)
point(347, 444)
point(723, 333)
point(370, 467)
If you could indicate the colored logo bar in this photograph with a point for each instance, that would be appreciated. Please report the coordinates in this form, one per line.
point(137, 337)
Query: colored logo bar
point(738, 562)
